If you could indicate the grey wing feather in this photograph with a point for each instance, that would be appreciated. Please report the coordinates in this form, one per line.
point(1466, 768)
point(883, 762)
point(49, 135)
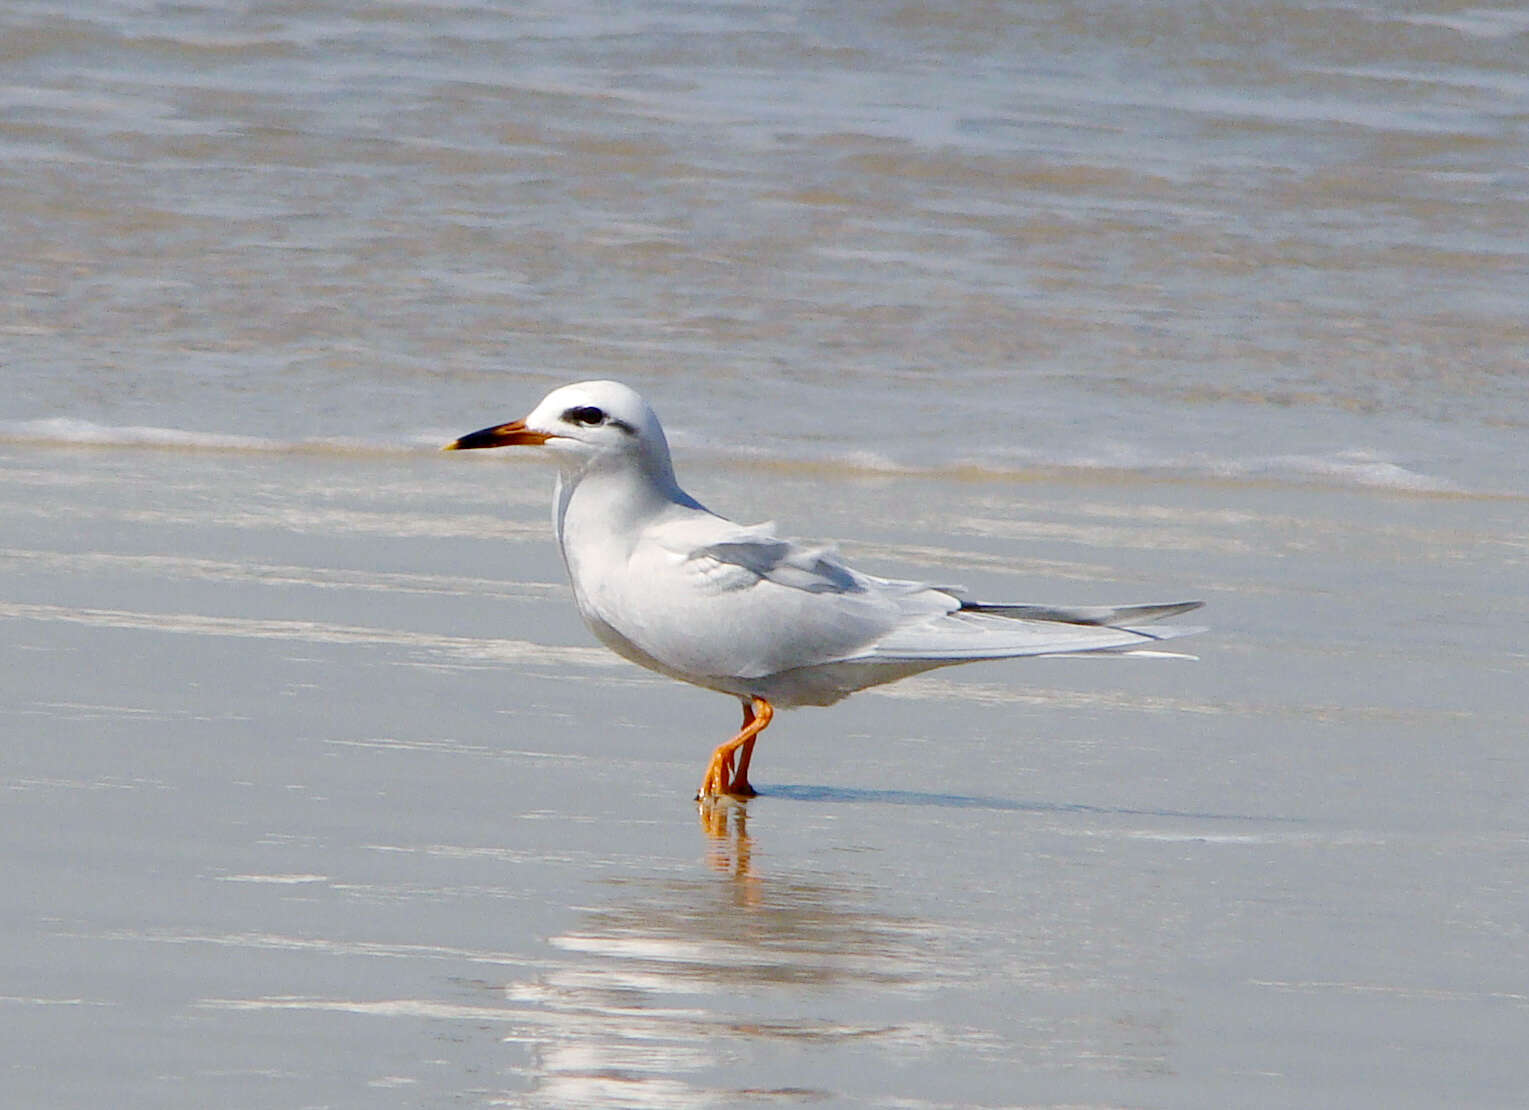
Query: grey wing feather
point(968, 635)
point(814, 569)
point(1117, 615)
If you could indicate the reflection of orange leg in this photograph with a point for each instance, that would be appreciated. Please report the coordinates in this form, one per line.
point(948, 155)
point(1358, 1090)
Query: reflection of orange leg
point(725, 822)
point(720, 776)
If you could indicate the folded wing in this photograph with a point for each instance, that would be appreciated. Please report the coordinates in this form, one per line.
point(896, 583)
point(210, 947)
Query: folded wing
point(1085, 614)
point(967, 634)
point(852, 617)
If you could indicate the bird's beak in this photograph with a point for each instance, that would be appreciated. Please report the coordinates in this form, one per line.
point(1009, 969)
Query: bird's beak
point(513, 434)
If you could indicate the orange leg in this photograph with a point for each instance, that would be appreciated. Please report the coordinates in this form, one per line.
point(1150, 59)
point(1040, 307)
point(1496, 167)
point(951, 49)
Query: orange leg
point(756, 715)
point(720, 776)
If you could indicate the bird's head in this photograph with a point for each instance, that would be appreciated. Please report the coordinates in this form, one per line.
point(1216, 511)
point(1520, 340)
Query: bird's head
point(587, 424)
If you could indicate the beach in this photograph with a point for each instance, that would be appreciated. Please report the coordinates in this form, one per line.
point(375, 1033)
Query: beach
point(317, 793)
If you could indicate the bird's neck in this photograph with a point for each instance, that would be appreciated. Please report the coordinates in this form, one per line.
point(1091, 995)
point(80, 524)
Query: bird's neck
point(606, 508)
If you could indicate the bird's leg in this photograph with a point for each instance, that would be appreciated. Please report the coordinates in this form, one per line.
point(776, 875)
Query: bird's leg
point(720, 777)
point(757, 710)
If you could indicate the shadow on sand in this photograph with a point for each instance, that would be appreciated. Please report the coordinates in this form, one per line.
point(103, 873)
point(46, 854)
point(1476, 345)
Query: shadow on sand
point(796, 792)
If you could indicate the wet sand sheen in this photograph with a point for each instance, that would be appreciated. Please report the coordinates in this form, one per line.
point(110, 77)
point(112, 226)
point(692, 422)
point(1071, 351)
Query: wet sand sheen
point(361, 816)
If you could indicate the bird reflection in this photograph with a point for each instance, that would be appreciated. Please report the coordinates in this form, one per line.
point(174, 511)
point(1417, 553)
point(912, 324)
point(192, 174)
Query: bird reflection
point(725, 821)
point(689, 985)
point(674, 975)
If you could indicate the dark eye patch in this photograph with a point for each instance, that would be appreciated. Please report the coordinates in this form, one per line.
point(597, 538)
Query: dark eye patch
point(585, 414)
point(591, 415)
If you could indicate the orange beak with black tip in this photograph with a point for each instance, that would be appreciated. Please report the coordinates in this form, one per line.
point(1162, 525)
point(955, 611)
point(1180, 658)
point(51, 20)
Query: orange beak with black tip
point(513, 434)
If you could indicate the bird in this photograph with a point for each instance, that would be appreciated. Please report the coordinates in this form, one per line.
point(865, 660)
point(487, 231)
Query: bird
point(777, 623)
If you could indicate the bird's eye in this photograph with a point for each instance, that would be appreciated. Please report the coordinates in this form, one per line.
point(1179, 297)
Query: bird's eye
point(585, 414)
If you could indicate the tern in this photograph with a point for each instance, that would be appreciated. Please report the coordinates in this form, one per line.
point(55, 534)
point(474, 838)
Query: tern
point(666, 583)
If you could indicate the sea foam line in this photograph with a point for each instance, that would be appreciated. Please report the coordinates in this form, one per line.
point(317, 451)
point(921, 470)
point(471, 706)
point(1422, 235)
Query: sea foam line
point(1343, 467)
point(499, 650)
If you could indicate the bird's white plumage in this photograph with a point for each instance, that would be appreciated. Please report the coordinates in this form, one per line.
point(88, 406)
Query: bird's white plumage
point(674, 587)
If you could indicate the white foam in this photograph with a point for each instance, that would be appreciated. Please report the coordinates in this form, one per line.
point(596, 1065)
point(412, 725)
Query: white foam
point(1350, 466)
point(70, 430)
point(1356, 466)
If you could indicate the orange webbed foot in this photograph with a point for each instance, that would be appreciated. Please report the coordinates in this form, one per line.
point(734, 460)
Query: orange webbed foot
point(720, 777)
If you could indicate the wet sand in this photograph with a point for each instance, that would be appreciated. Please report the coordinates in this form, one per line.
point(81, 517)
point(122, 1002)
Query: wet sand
point(316, 793)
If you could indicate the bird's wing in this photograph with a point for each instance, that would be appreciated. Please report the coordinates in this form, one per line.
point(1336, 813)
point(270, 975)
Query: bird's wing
point(817, 570)
point(741, 556)
point(714, 598)
point(1084, 614)
point(964, 635)
point(805, 607)
point(975, 632)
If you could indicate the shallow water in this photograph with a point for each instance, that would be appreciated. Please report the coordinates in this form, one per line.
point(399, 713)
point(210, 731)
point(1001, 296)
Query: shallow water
point(1284, 239)
point(316, 793)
